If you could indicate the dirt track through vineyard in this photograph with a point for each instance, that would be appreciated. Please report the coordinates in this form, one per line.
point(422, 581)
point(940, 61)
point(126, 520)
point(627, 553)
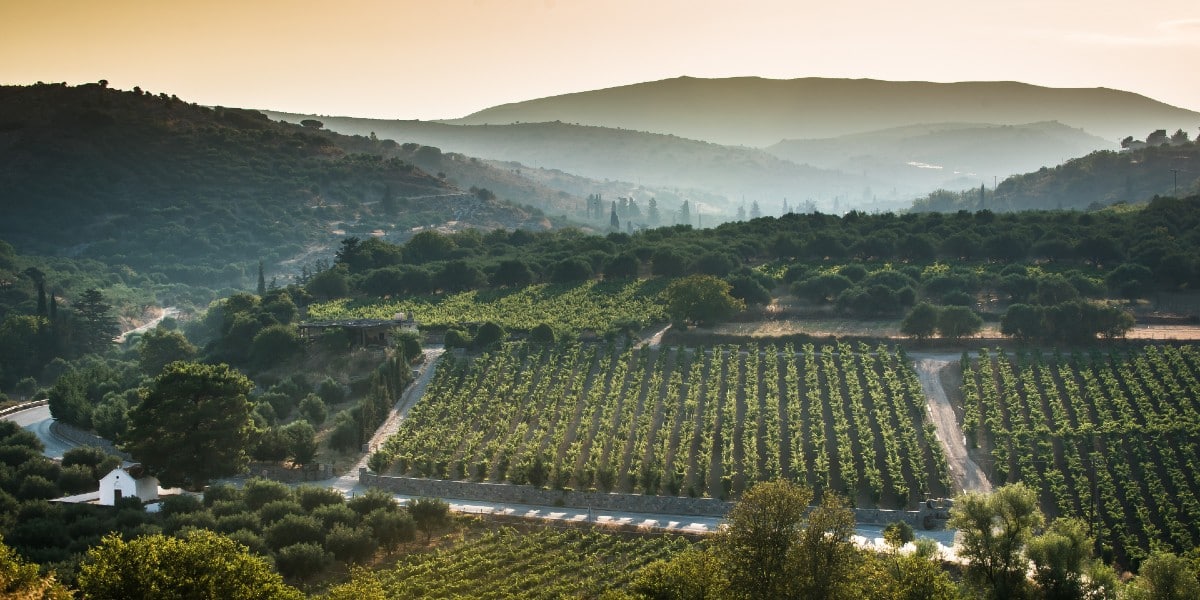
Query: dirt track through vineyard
point(967, 475)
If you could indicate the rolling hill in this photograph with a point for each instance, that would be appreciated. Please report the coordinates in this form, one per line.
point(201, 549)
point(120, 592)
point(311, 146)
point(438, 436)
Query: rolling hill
point(199, 195)
point(1093, 181)
point(725, 174)
point(944, 155)
point(758, 112)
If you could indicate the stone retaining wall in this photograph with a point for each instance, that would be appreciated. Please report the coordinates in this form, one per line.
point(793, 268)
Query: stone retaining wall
point(930, 515)
point(523, 494)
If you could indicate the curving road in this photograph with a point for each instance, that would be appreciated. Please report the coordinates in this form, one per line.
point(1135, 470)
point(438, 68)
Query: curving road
point(38, 420)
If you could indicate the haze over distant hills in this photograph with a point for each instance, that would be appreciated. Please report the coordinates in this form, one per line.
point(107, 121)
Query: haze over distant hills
point(838, 143)
point(758, 112)
point(945, 155)
point(655, 160)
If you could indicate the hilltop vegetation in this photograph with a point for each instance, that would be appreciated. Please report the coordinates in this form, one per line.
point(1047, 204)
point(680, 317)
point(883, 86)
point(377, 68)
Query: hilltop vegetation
point(1100, 179)
point(198, 195)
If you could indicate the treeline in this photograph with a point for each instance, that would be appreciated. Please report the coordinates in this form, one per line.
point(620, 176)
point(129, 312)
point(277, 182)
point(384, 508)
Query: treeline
point(865, 265)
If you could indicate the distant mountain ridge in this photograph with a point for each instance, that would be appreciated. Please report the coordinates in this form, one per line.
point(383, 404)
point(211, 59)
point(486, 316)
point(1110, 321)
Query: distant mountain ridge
point(759, 112)
point(949, 155)
point(605, 153)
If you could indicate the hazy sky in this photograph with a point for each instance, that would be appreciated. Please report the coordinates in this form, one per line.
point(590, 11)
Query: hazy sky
point(446, 58)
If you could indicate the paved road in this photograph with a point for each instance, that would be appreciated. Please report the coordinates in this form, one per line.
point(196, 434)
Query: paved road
point(38, 420)
point(967, 475)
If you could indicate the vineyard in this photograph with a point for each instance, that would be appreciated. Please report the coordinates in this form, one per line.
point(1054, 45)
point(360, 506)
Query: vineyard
point(678, 421)
point(592, 306)
point(1113, 438)
point(540, 564)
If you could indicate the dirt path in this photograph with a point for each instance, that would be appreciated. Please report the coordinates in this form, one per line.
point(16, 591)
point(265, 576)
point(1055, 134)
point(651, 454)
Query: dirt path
point(161, 313)
point(967, 475)
point(410, 397)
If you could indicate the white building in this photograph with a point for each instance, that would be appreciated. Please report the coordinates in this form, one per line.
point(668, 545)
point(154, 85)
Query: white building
point(123, 482)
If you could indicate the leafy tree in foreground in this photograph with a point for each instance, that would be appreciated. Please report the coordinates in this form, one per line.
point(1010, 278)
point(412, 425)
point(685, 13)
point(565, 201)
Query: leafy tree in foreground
point(994, 530)
point(193, 425)
point(701, 299)
point(1165, 576)
point(24, 581)
point(202, 565)
point(763, 528)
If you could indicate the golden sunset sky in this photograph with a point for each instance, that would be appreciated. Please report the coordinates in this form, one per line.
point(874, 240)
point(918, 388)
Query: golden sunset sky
point(431, 59)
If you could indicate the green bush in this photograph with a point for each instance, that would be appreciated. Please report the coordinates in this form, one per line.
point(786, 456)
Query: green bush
point(352, 545)
point(300, 561)
point(258, 492)
point(294, 529)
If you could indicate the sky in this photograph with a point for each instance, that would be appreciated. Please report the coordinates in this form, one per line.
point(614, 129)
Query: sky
point(429, 59)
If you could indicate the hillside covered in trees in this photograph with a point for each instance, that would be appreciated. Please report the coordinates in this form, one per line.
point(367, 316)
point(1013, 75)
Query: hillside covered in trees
point(1139, 172)
point(199, 195)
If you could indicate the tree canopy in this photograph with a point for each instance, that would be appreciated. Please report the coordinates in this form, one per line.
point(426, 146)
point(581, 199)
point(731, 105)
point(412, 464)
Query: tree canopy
point(202, 565)
point(192, 425)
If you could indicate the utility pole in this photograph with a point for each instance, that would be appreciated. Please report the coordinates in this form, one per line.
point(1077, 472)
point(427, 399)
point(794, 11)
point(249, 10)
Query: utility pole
point(1175, 172)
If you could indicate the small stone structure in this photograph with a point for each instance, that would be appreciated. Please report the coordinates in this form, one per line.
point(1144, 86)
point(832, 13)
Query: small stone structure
point(932, 514)
point(126, 482)
point(362, 332)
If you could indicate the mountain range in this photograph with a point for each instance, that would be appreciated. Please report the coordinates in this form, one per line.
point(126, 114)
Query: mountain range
point(835, 143)
point(753, 111)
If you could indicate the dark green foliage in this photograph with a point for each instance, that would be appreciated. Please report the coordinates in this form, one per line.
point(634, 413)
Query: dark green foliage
point(221, 492)
point(542, 334)
point(489, 334)
point(391, 527)
point(160, 347)
point(457, 338)
point(352, 545)
point(371, 500)
point(312, 408)
point(921, 321)
point(275, 510)
point(430, 515)
point(258, 492)
point(164, 434)
point(37, 487)
point(95, 324)
point(311, 497)
point(957, 322)
point(333, 514)
point(294, 529)
point(408, 342)
point(302, 442)
point(302, 560)
point(180, 504)
point(239, 521)
point(331, 392)
point(570, 270)
point(512, 273)
point(345, 434)
point(77, 479)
